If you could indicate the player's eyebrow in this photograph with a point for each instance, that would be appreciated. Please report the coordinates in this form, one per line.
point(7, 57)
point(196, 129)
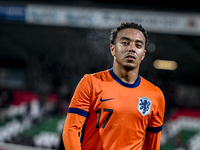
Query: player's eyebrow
point(140, 41)
point(126, 38)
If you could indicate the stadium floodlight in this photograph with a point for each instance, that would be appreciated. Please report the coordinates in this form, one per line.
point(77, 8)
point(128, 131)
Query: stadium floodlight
point(165, 64)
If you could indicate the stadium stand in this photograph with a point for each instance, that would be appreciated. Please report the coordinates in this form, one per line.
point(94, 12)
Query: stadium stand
point(29, 123)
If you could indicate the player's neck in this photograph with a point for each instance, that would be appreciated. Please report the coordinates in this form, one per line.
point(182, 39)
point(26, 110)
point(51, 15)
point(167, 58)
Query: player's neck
point(125, 74)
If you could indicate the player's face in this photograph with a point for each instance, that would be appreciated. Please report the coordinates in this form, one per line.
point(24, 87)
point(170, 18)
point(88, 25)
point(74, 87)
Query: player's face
point(129, 48)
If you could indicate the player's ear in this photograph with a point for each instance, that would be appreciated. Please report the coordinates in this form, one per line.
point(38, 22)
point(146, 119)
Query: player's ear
point(144, 54)
point(112, 49)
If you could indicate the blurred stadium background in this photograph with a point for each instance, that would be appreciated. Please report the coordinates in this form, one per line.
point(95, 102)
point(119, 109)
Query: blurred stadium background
point(46, 46)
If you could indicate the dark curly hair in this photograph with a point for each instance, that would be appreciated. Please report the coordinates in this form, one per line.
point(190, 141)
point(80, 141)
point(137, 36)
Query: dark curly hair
point(125, 25)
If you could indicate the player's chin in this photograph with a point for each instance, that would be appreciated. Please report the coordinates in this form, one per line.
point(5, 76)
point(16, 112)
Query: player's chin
point(130, 66)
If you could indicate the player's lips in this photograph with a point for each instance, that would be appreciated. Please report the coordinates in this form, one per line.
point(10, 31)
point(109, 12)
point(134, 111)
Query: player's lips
point(130, 57)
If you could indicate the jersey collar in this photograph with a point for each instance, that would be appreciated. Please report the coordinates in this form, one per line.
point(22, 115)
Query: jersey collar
point(134, 85)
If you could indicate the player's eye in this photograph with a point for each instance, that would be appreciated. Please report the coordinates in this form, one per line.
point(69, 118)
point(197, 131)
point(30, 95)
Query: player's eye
point(125, 43)
point(138, 46)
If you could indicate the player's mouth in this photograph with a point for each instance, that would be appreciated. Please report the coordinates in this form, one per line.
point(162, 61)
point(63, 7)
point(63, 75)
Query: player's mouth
point(130, 57)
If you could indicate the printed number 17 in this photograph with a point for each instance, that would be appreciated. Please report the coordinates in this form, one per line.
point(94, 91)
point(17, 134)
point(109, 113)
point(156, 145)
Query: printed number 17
point(107, 118)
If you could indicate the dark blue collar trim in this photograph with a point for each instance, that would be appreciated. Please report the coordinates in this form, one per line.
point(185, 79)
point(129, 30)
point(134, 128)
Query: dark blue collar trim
point(137, 83)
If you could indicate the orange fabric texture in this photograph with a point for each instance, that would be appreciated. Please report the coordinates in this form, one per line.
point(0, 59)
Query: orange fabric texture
point(72, 128)
point(152, 141)
point(116, 114)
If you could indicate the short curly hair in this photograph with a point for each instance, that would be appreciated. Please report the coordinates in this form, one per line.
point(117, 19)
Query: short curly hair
point(125, 25)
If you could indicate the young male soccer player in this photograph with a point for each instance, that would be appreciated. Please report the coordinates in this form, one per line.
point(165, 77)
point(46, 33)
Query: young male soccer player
point(117, 109)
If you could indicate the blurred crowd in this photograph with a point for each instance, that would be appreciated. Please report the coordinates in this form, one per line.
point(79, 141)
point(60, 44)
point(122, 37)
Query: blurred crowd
point(25, 103)
point(22, 110)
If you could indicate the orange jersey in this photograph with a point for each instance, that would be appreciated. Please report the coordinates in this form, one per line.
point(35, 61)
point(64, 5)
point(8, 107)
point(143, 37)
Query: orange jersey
point(117, 114)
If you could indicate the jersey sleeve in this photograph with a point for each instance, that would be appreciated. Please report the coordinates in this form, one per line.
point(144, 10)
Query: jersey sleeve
point(73, 125)
point(152, 141)
point(81, 100)
point(153, 133)
point(156, 121)
point(77, 114)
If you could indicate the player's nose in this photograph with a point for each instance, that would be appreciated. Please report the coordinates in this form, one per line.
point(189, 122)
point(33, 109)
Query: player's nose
point(132, 47)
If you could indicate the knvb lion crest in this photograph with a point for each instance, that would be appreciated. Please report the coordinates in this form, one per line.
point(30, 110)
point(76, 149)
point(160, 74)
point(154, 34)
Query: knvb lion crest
point(144, 105)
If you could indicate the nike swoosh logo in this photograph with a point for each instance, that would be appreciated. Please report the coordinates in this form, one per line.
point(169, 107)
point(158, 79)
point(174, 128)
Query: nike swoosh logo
point(103, 100)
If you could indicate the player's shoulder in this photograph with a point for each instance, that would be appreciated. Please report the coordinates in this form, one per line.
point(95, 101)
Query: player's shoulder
point(150, 86)
point(98, 76)
point(154, 90)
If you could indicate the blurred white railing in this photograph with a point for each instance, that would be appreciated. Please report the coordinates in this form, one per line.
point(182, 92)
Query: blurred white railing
point(87, 17)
